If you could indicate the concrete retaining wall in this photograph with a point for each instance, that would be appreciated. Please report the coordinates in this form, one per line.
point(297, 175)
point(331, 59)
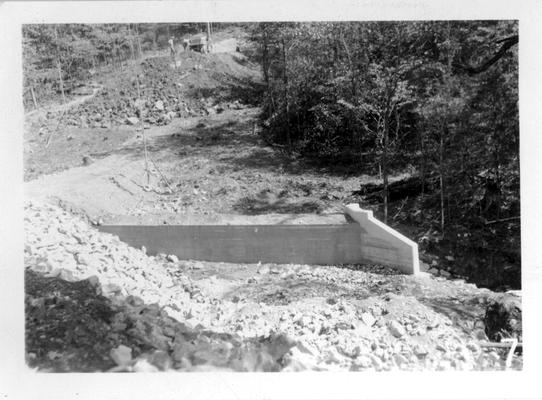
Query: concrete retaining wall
point(282, 244)
point(381, 244)
point(366, 240)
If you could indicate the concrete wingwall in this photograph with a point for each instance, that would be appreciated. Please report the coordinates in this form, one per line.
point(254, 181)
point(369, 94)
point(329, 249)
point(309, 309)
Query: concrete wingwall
point(384, 245)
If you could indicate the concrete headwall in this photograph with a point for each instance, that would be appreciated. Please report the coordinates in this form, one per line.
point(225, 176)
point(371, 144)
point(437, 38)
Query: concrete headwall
point(383, 245)
point(366, 240)
point(281, 244)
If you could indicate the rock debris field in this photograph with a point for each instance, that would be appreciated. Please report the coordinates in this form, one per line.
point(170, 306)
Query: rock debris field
point(95, 304)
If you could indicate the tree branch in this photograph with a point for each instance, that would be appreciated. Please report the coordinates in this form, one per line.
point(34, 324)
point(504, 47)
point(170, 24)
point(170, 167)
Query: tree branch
point(507, 44)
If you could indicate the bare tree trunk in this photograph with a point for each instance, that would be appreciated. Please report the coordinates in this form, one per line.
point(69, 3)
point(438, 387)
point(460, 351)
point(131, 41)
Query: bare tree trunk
point(496, 167)
point(353, 78)
point(385, 166)
point(286, 102)
point(71, 83)
point(138, 41)
point(147, 170)
point(265, 57)
point(334, 44)
point(59, 69)
point(131, 43)
point(360, 146)
point(441, 178)
point(422, 162)
point(142, 127)
point(397, 125)
point(208, 37)
point(352, 69)
point(273, 104)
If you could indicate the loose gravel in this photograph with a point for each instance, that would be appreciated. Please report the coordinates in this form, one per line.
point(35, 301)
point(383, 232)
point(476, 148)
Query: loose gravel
point(333, 318)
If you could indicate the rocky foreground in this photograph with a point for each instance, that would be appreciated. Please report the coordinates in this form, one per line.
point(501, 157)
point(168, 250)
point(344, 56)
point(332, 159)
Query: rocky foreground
point(95, 304)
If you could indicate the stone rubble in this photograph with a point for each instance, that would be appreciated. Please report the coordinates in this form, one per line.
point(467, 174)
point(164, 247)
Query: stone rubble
point(381, 331)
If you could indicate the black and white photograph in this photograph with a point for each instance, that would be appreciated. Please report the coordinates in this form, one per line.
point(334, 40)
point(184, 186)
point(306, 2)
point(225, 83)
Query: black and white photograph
point(215, 195)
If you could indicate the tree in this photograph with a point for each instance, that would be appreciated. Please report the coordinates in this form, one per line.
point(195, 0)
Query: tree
point(442, 112)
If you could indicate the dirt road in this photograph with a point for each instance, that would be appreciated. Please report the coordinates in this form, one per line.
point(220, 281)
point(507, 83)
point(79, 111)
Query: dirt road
point(212, 169)
point(41, 112)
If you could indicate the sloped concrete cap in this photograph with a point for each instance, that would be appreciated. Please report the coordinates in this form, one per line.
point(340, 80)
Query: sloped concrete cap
point(382, 244)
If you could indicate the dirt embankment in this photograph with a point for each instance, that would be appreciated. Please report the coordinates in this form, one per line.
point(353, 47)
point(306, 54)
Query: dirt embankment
point(143, 95)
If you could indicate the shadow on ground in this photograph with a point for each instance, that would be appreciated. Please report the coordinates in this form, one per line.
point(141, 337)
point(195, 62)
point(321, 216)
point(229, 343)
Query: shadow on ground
point(266, 202)
point(463, 312)
point(277, 289)
point(288, 291)
point(243, 90)
point(70, 327)
point(235, 143)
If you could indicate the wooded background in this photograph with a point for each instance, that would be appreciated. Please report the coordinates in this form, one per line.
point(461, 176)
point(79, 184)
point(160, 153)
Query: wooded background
point(439, 99)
